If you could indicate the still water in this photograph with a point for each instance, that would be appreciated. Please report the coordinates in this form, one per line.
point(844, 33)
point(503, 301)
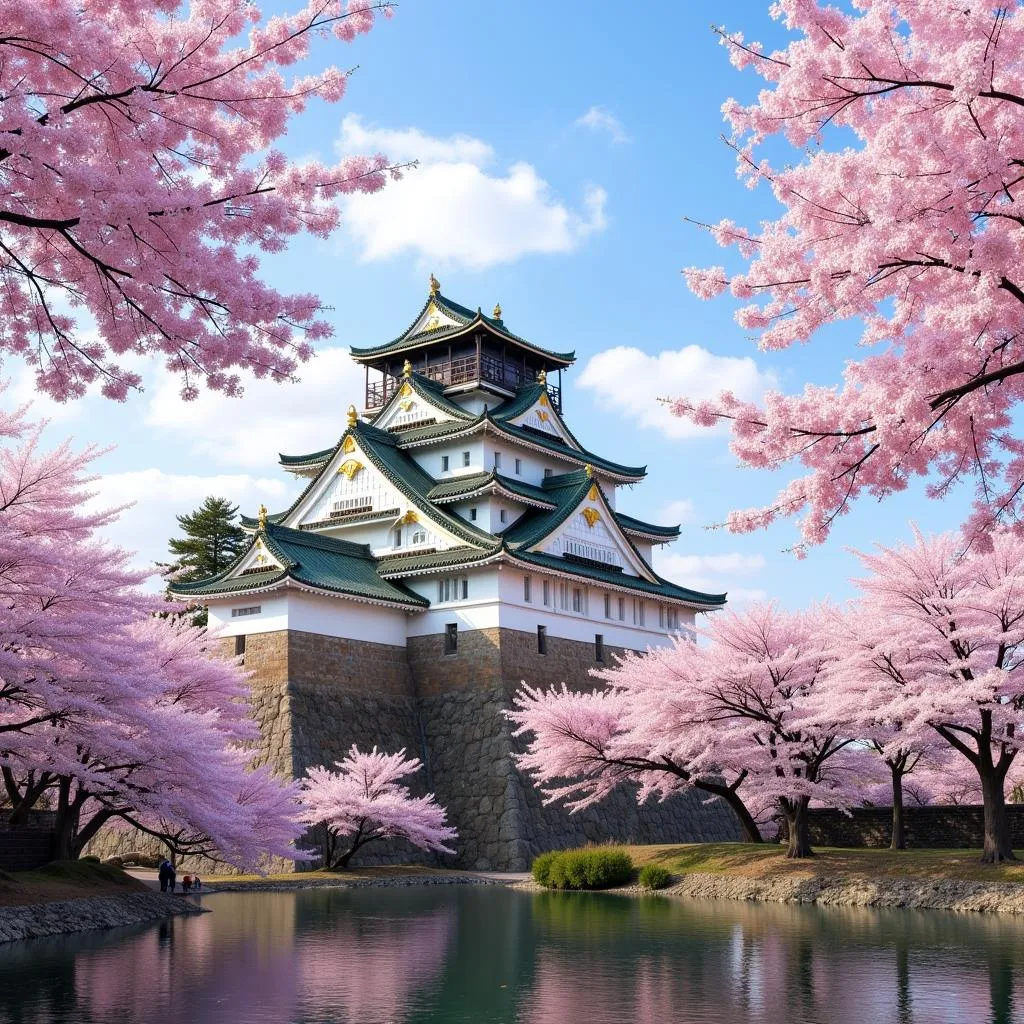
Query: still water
point(417, 955)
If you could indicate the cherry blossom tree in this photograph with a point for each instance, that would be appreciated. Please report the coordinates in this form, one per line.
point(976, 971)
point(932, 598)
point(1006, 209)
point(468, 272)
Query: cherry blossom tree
point(140, 182)
point(366, 801)
point(912, 230)
point(105, 707)
point(741, 712)
point(945, 658)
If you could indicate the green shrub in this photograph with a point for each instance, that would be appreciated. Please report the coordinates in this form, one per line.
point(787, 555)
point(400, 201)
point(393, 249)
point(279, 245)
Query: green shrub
point(654, 876)
point(89, 860)
point(542, 867)
point(583, 869)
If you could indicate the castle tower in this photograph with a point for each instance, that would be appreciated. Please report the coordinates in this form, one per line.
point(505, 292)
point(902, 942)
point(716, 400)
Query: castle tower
point(456, 540)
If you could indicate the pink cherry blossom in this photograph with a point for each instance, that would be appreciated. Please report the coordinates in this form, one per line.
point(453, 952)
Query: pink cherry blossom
point(366, 801)
point(899, 212)
point(140, 183)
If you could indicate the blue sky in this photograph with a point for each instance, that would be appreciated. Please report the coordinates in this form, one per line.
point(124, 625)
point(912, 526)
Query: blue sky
point(561, 146)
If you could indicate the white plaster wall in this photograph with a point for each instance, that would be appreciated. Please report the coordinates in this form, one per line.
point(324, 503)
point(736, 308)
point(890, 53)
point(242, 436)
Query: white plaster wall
point(312, 613)
point(429, 458)
point(478, 611)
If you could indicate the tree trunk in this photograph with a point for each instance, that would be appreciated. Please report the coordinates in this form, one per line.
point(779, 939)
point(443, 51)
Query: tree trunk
point(997, 825)
point(66, 825)
point(751, 833)
point(899, 836)
point(799, 830)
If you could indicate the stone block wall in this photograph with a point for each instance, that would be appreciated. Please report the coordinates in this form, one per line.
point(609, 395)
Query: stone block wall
point(950, 827)
point(29, 845)
point(314, 696)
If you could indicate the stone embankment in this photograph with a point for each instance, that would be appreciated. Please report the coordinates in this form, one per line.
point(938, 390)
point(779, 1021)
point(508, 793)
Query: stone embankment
point(225, 884)
point(882, 893)
point(39, 920)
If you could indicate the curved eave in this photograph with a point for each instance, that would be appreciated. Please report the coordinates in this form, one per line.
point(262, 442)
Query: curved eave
point(658, 537)
point(287, 582)
point(495, 488)
point(416, 341)
point(398, 572)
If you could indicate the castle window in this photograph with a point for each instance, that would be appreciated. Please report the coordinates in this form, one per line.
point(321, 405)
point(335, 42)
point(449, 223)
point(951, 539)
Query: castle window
point(519, 466)
point(503, 515)
point(577, 599)
point(253, 609)
point(451, 638)
point(638, 612)
point(547, 473)
point(472, 514)
point(453, 588)
point(527, 589)
point(547, 592)
point(497, 460)
point(444, 463)
point(661, 616)
point(398, 537)
point(673, 618)
point(622, 609)
point(542, 639)
point(598, 647)
point(419, 537)
point(607, 606)
point(563, 597)
point(240, 646)
point(465, 458)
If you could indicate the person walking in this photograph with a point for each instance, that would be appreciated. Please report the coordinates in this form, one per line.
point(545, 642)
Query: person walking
point(164, 872)
point(172, 877)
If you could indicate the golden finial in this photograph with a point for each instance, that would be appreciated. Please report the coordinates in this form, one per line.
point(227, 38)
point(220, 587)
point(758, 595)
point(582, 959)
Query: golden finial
point(542, 377)
point(588, 469)
point(263, 517)
point(435, 285)
point(407, 369)
point(497, 311)
point(353, 416)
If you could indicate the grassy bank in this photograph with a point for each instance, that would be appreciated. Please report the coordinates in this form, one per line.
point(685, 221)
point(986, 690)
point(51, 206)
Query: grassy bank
point(323, 877)
point(767, 861)
point(65, 880)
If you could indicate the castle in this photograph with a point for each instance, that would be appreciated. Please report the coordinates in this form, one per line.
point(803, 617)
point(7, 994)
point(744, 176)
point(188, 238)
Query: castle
point(455, 541)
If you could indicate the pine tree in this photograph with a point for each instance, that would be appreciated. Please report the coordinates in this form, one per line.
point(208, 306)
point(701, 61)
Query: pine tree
point(212, 541)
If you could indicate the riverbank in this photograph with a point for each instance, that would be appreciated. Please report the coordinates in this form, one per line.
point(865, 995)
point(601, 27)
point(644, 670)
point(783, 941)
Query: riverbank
point(356, 878)
point(901, 879)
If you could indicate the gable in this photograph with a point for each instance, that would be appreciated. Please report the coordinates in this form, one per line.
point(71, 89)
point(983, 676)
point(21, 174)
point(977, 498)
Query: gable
point(352, 489)
point(433, 318)
point(542, 416)
point(590, 531)
point(256, 559)
point(410, 408)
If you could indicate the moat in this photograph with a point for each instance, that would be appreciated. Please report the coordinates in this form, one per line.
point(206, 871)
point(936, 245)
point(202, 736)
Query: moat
point(478, 954)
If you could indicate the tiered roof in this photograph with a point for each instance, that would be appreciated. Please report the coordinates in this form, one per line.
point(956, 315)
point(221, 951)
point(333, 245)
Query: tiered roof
point(299, 555)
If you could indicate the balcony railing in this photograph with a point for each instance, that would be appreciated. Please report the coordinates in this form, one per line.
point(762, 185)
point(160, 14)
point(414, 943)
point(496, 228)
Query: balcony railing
point(463, 370)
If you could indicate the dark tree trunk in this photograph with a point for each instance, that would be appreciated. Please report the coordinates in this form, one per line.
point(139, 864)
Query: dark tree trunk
point(997, 825)
point(66, 826)
point(795, 811)
point(751, 833)
point(899, 835)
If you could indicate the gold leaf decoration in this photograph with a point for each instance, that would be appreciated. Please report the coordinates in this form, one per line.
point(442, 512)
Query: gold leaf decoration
point(404, 391)
point(543, 399)
point(592, 493)
point(410, 517)
point(542, 416)
point(349, 446)
point(591, 515)
point(350, 467)
point(406, 404)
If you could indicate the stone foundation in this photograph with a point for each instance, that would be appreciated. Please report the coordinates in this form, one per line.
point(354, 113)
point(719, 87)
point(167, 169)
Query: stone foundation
point(314, 696)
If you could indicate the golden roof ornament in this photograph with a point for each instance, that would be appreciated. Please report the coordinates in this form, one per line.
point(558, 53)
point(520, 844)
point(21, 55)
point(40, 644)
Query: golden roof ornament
point(588, 469)
point(497, 311)
point(262, 513)
point(353, 416)
point(542, 377)
point(435, 285)
point(407, 369)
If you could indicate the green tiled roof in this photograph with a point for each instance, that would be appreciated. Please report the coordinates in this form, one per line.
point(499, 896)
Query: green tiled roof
point(439, 431)
point(474, 482)
point(648, 529)
point(325, 563)
point(400, 565)
point(567, 490)
point(305, 460)
point(250, 523)
point(464, 318)
point(430, 391)
point(525, 398)
point(591, 571)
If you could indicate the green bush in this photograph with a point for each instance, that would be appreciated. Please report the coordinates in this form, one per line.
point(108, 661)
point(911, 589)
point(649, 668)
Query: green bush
point(583, 869)
point(542, 867)
point(89, 860)
point(653, 876)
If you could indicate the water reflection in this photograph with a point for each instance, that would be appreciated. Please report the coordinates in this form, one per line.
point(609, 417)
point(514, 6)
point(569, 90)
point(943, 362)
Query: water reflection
point(453, 955)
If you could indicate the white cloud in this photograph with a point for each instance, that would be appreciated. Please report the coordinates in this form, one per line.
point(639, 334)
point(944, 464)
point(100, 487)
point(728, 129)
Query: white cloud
point(631, 381)
point(269, 418)
point(714, 573)
point(453, 210)
point(597, 119)
point(158, 497)
point(681, 511)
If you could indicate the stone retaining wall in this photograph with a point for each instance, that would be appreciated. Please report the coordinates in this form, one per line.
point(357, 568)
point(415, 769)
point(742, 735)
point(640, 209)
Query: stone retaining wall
point(26, 846)
point(67, 916)
point(943, 827)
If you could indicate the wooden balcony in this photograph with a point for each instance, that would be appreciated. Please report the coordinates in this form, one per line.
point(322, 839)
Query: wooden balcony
point(453, 372)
